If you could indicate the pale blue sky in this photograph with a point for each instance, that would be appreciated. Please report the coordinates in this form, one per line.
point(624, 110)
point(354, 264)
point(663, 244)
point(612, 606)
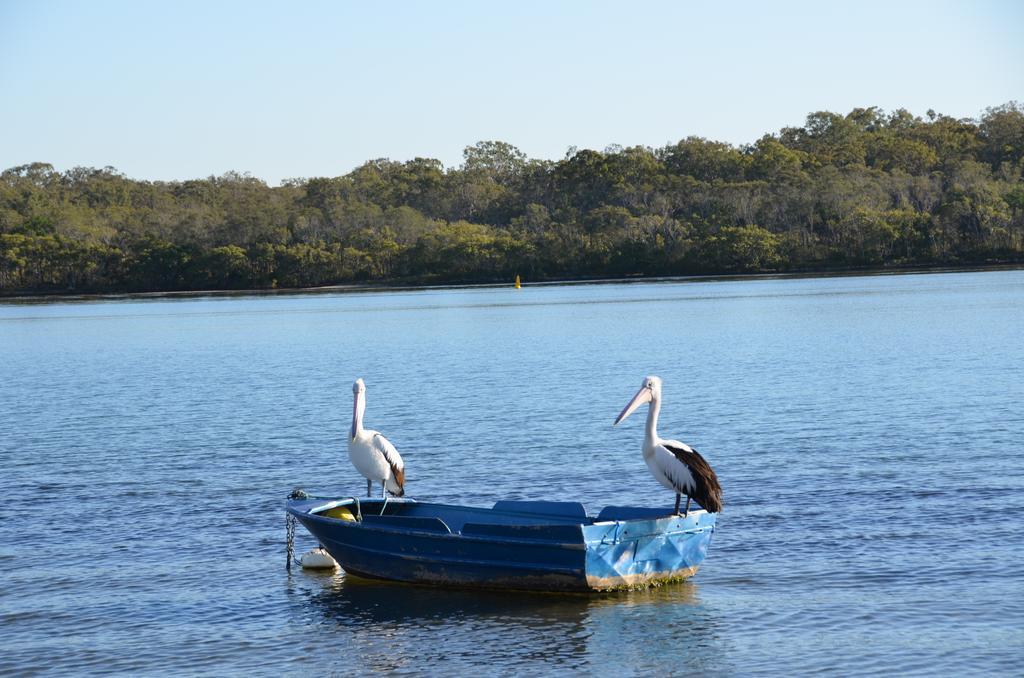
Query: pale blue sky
point(175, 90)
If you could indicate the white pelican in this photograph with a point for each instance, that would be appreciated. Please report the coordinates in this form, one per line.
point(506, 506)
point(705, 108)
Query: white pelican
point(675, 465)
point(372, 454)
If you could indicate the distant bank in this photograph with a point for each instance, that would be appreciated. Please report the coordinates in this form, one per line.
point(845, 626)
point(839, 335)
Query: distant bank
point(398, 285)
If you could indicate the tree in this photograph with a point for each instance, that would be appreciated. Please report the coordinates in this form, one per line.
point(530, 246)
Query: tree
point(499, 161)
point(744, 249)
point(705, 160)
point(830, 138)
point(1002, 135)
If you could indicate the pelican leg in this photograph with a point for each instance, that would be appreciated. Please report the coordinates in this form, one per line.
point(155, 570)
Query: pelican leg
point(369, 487)
point(677, 504)
point(383, 490)
point(687, 509)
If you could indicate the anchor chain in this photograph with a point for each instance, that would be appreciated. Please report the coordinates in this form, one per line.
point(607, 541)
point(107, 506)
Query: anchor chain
point(289, 528)
point(289, 523)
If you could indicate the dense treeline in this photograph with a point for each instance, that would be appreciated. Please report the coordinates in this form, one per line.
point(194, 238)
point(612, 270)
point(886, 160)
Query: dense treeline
point(866, 189)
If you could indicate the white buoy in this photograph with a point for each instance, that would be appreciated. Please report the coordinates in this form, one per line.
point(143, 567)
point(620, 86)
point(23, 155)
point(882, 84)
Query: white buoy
point(318, 559)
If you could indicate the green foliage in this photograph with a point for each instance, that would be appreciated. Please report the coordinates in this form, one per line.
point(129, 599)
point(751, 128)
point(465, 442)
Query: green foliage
point(743, 249)
point(862, 189)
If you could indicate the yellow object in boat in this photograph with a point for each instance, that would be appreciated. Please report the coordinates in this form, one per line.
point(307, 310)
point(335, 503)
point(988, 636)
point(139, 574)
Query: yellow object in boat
point(340, 512)
point(518, 284)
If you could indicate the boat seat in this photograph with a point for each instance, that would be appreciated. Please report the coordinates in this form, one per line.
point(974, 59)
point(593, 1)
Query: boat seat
point(631, 513)
point(561, 509)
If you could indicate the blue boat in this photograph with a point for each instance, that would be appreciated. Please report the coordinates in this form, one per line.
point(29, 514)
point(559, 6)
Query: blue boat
point(532, 545)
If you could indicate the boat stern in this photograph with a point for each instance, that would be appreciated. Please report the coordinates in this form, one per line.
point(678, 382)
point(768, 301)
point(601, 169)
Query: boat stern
point(633, 548)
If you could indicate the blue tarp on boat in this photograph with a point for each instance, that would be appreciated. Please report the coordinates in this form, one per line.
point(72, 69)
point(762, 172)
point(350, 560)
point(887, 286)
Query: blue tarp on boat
point(536, 545)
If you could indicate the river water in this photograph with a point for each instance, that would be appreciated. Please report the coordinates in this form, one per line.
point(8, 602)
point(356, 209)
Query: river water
point(868, 433)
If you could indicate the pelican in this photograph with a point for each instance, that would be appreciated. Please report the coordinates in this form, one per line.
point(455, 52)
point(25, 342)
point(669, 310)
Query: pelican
point(675, 465)
point(372, 454)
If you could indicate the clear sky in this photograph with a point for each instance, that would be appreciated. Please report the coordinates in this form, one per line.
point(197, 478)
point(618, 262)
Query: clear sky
point(180, 89)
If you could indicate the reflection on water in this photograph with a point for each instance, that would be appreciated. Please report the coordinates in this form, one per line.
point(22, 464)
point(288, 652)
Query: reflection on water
point(387, 625)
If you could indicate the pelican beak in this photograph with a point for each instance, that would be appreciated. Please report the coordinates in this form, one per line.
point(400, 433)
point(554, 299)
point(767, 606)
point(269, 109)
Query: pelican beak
point(642, 396)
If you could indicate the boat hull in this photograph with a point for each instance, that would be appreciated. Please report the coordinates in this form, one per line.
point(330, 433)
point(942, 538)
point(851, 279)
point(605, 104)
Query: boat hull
point(546, 546)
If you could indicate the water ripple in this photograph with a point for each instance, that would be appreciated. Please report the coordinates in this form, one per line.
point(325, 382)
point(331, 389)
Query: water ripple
point(866, 431)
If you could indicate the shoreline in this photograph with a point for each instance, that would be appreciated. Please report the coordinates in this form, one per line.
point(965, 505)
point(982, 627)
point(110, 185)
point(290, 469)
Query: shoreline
point(398, 285)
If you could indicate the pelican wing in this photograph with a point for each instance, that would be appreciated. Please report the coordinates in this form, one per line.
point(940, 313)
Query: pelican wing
point(706, 489)
point(395, 484)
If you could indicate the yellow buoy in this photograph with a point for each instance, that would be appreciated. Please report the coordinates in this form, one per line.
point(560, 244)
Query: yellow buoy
point(341, 513)
point(518, 285)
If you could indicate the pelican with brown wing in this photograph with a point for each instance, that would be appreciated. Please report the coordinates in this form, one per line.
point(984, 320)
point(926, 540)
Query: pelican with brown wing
point(372, 454)
point(675, 465)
